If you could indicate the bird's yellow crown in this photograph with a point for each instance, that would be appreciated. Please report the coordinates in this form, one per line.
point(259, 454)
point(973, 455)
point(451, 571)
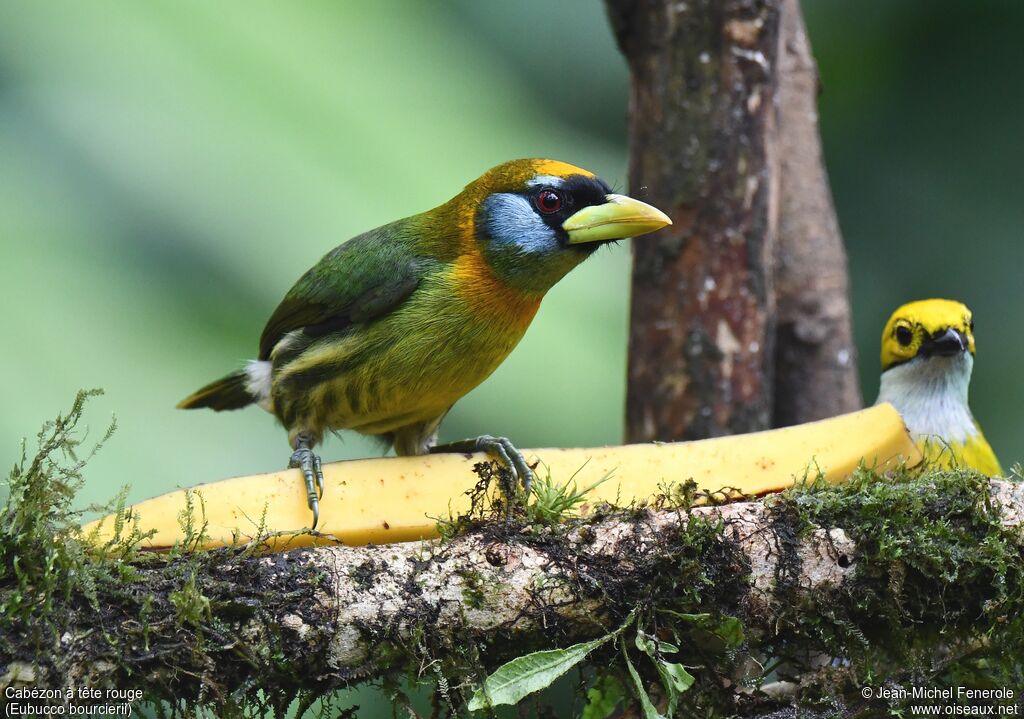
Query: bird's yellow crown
point(913, 323)
point(513, 175)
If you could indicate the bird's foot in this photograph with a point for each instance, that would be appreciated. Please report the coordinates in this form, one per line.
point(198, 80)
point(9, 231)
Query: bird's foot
point(309, 462)
point(500, 447)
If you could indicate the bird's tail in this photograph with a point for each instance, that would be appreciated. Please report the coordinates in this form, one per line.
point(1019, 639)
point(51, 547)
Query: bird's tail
point(231, 392)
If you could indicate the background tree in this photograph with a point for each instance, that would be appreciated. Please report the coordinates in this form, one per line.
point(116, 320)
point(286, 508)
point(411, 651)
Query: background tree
point(740, 317)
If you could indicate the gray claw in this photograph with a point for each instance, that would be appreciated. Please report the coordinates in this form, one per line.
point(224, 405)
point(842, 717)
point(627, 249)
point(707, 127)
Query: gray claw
point(319, 476)
point(510, 457)
point(305, 459)
point(314, 504)
point(500, 447)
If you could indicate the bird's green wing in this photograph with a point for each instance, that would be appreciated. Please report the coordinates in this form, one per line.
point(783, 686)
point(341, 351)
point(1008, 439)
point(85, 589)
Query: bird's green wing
point(358, 281)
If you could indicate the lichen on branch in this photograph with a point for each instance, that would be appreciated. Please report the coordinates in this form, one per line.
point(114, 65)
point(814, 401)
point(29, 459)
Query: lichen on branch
point(912, 577)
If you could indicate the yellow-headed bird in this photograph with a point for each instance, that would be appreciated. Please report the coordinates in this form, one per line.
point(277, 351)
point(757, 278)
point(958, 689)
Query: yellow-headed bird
point(927, 358)
point(389, 329)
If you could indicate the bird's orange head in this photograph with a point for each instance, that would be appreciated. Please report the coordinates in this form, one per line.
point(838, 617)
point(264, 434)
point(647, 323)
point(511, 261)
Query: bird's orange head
point(531, 221)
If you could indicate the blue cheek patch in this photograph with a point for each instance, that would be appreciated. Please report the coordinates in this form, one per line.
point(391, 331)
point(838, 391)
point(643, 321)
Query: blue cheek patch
point(511, 222)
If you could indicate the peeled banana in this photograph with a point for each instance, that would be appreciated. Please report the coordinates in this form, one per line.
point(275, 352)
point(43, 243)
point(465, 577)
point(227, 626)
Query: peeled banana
point(399, 499)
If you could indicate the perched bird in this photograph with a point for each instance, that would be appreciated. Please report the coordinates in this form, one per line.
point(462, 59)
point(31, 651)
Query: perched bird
point(927, 357)
point(388, 330)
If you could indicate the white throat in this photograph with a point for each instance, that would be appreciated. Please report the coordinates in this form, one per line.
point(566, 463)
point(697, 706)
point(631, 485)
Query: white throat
point(931, 394)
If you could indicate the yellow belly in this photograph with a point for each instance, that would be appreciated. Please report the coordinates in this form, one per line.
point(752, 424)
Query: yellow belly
point(405, 383)
point(975, 454)
point(411, 365)
point(404, 369)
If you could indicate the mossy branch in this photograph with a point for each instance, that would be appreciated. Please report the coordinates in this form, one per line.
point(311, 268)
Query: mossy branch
point(907, 577)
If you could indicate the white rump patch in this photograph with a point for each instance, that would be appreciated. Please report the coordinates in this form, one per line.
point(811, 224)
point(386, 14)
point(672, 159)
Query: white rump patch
point(258, 377)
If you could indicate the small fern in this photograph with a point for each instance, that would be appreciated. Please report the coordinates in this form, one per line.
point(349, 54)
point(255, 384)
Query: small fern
point(553, 501)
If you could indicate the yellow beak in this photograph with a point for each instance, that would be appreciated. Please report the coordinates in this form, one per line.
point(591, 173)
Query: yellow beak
point(618, 218)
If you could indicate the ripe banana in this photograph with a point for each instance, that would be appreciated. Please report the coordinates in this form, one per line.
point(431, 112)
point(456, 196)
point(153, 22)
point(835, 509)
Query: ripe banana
point(397, 499)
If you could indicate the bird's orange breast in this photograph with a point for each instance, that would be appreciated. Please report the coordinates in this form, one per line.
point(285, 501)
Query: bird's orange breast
point(488, 298)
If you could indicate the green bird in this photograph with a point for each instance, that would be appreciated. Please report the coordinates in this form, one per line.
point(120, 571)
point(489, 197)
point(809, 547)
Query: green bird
point(389, 329)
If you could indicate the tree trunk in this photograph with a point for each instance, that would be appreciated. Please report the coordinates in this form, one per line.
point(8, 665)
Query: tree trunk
point(815, 359)
point(739, 318)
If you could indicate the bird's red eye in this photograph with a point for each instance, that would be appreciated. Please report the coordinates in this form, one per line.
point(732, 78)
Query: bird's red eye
point(548, 201)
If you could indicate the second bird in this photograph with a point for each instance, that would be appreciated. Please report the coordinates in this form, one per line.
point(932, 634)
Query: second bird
point(389, 329)
point(927, 359)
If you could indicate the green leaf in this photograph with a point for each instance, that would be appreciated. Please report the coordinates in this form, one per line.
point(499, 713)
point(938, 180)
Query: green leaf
point(728, 629)
point(603, 697)
point(644, 642)
point(699, 619)
point(666, 647)
point(645, 701)
point(676, 675)
point(651, 645)
point(530, 673)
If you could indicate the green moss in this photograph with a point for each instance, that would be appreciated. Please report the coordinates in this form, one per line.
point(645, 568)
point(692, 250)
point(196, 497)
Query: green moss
point(935, 599)
point(179, 603)
point(937, 595)
point(43, 561)
point(190, 605)
point(473, 589)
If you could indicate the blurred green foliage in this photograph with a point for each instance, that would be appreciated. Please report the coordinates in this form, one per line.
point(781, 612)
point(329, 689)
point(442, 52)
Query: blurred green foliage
point(168, 169)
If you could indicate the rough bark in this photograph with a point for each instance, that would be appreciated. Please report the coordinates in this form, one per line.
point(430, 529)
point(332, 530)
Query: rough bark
point(700, 112)
point(815, 359)
point(739, 318)
point(318, 618)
